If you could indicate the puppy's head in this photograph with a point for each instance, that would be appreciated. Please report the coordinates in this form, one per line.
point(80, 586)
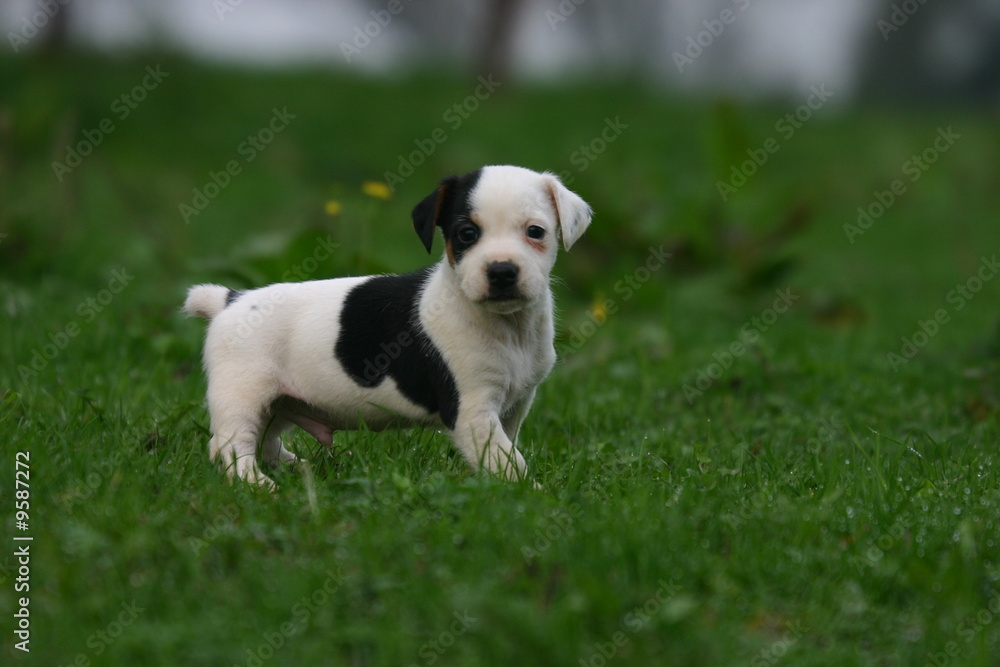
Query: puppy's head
point(501, 227)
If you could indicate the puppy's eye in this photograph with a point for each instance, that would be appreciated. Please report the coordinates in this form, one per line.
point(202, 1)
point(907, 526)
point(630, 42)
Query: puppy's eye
point(468, 234)
point(536, 232)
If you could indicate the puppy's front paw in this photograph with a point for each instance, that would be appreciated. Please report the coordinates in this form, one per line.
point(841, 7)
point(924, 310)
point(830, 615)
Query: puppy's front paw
point(245, 468)
point(508, 464)
point(252, 475)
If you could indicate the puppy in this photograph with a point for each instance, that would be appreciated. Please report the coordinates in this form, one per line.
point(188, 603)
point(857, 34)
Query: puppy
point(462, 344)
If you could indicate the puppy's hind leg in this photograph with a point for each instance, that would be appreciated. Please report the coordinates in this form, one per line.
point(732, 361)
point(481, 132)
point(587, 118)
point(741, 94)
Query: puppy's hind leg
point(273, 451)
point(239, 414)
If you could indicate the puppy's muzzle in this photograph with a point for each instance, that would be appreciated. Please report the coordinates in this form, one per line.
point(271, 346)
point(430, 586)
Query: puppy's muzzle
point(502, 279)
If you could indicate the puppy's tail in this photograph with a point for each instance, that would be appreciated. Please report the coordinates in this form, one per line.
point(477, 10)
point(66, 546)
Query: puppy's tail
point(208, 300)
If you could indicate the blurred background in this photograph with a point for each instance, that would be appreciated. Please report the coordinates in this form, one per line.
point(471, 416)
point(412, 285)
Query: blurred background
point(767, 47)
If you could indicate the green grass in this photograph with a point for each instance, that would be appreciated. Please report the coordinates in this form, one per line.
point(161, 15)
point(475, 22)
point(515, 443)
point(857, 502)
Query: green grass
point(812, 506)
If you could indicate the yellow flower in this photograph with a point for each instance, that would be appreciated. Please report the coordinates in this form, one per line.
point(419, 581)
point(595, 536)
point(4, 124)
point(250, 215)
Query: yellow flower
point(332, 207)
point(598, 311)
point(376, 189)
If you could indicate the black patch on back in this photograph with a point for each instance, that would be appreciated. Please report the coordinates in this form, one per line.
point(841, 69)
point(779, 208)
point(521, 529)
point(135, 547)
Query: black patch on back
point(380, 335)
point(232, 296)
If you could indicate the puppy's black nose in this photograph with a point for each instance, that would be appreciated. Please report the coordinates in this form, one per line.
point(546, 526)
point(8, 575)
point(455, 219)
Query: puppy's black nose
point(502, 275)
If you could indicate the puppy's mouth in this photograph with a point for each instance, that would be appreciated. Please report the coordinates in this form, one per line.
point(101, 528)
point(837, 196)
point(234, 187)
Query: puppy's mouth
point(505, 302)
point(507, 294)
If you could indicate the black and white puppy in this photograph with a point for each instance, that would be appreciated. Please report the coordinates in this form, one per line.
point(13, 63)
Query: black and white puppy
point(462, 344)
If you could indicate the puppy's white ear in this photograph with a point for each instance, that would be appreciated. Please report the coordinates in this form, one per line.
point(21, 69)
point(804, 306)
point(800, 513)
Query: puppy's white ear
point(572, 213)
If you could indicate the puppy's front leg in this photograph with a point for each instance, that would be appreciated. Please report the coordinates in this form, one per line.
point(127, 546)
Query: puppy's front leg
point(480, 436)
point(515, 416)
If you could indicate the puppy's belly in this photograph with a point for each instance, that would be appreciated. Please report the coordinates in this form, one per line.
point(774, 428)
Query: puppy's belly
point(374, 409)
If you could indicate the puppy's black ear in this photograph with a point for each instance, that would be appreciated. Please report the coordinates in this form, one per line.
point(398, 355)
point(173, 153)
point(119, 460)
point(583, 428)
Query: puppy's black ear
point(427, 214)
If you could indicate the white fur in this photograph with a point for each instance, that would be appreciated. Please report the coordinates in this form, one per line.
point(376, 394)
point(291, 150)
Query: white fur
point(206, 300)
point(280, 340)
